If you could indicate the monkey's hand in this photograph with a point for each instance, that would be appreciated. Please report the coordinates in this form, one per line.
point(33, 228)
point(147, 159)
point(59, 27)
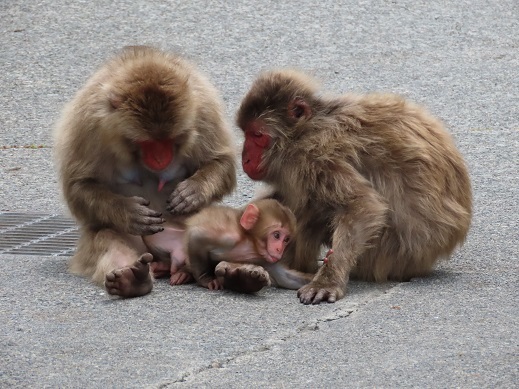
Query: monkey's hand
point(189, 196)
point(142, 220)
point(318, 291)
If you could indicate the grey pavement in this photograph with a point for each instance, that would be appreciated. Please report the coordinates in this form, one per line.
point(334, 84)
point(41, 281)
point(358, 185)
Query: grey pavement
point(456, 328)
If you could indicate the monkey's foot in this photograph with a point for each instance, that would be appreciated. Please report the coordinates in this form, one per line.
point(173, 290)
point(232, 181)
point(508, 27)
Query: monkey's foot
point(131, 281)
point(315, 293)
point(180, 277)
point(160, 269)
point(215, 285)
point(243, 278)
point(210, 282)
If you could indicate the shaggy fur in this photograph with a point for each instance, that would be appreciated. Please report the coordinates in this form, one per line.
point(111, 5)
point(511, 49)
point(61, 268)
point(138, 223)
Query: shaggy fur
point(139, 95)
point(375, 177)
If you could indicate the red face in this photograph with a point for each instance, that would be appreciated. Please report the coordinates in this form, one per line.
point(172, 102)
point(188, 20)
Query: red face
point(256, 142)
point(156, 155)
point(277, 240)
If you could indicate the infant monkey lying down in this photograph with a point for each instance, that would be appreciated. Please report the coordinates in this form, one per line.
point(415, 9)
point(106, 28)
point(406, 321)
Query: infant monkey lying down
point(237, 249)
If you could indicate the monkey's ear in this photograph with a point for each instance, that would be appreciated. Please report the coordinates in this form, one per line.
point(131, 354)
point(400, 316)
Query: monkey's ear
point(115, 100)
point(249, 217)
point(299, 108)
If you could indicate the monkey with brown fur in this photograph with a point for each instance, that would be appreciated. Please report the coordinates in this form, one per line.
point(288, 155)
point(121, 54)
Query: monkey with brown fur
point(375, 177)
point(140, 146)
point(239, 249)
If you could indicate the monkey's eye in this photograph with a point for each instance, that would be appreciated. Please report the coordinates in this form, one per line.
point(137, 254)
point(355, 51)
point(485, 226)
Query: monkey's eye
point(276, 235)
point(257, 134)
point(287, 239)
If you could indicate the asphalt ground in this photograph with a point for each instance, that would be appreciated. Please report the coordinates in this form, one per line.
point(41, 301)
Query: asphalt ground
point(456, 328)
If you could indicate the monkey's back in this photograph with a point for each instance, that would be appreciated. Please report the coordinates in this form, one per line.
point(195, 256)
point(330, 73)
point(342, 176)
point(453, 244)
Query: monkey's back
point(413, 163)
point(406, 155)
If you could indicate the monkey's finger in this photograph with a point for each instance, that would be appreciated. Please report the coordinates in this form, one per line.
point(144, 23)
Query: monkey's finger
point(146, 225)
point(141, 200)
point(188, 205)
point(321, 295)
point(150, 230)
point(173, 202)
point(138, 228)
point(145, 211)
point(306, 295)
point(186, 195)
point(180, 208)
point(177, 199)
point(149, 221)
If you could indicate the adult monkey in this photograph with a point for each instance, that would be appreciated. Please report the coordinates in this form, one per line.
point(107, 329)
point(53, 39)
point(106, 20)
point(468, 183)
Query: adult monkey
point(142, 144)
point(374, 177)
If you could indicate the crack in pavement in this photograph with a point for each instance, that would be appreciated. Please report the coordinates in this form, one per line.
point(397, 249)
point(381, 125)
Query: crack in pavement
point(341, 312)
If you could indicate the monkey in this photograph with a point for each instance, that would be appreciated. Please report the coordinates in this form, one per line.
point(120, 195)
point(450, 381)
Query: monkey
point(374, 177)
point(241, 237)
point(142, 145)
point(169, 245)
point(239, 248)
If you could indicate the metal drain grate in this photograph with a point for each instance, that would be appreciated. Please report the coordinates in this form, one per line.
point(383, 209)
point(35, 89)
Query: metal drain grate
point(37, 234)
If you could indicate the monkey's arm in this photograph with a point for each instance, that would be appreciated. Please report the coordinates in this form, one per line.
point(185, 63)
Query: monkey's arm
point(357, 218)
point(209, 183)
point(95, 205)
point(215, 162)
point(202, 240)
point(283, 277)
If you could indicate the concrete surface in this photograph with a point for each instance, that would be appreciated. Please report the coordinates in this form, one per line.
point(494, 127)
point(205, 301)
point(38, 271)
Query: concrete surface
point(457, 328)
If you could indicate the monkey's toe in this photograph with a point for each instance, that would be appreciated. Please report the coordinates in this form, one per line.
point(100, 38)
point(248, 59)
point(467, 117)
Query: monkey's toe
point(221, 269)
point(214, 285)
point(180, 278)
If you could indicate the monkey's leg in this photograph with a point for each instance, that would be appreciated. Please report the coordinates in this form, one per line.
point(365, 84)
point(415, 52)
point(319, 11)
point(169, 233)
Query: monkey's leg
point(124, 265)
point(180, 272)
point(243, 278)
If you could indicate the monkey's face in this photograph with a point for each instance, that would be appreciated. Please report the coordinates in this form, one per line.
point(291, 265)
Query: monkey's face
point(271, 116)
point(257, 141)
point(274, 243)
point(153, 121)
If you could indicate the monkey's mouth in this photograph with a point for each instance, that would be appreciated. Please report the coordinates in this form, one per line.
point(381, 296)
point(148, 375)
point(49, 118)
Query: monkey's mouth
point(272, 259)
point(253, 173)
point(156, 155)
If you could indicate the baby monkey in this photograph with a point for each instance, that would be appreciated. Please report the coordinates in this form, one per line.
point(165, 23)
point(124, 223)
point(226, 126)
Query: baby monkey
point(240, 249)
